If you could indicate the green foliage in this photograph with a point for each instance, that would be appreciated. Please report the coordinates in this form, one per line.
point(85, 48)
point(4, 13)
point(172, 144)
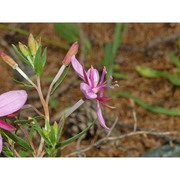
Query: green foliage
point(111, 49)
point(21, 142)
point(68, 31)
point(156, 109)
point(117, 38)
point(25, 84)
point(71, 32)
point(108, 59)
point(40, 60)
point(150, 73)
point(7, 152)
point(63, 143)
point(120, 75)
point(20, 56)
point(54, 102)
point(175, 60)
point(174, 78)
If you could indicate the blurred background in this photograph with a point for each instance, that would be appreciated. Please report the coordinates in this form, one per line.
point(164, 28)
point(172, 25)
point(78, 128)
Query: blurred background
point(143, 58)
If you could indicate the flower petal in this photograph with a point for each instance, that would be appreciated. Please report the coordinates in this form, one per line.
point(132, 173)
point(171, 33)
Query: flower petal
point(100, 117)
point(77, 67)
point(12, 101)
point(1, 143)
point(6, 126)
point(93, 75)
point(103, 75)
point(86, 89)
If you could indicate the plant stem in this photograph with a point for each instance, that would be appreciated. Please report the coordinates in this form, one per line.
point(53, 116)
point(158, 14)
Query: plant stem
point(45, 106)
point(46, 111)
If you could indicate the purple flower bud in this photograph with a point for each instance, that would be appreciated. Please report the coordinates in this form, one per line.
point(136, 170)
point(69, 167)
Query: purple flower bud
point(8, 60)
point(72, 51)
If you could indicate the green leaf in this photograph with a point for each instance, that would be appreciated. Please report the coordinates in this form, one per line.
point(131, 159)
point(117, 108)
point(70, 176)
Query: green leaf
point(53, 136)
point(25, 84)
point(23, 121)
point(21, 57)
point(156, 109)
point(48, 126)
point(44, 56)
point(175, 60)
point(108, 59)
point(117, 39)
point(68, 31)
point(41, 133)
point(150, 73)
point(174, 79)
point(24, 144)
point(63, 143)
point(60, 80)
point(7, 152)
point(61, 129)
point(87, 44)
point(38, 63)
point(22, 153)
point(120, 75)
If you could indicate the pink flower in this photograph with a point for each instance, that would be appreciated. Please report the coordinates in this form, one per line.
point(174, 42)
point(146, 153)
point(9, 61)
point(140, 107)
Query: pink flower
point(93, 87)
point(10, 102)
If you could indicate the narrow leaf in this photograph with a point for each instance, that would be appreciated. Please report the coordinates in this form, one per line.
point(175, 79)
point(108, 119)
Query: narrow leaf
point(108, 59)
point(61, 129)
point(24, 144)
point(21, 57)
point(120, 75)
point(68, 31)
point(174, 79)
point(117, 38)
point(156, 109)
point(40, 131)
point(150, 73)
point(63, 143)
point(23, 121)
point(44, 55)
point(175, 60)
point(38, 64)
point(25, 84)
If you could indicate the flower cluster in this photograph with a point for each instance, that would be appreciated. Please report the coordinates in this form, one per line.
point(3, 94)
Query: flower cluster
point(93, 88)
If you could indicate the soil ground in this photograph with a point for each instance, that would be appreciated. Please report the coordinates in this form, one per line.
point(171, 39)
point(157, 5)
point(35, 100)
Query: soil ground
point(143, 45)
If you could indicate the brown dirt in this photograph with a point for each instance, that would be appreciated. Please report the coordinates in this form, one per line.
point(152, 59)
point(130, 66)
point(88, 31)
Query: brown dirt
point(135, 50)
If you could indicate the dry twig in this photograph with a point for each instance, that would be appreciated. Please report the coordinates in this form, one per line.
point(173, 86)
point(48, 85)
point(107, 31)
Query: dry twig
point(106, 139)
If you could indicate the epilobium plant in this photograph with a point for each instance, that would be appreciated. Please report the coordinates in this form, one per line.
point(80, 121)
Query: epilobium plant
point(12, 144)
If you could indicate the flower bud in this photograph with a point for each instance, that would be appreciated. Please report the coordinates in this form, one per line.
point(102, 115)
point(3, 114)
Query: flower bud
point(8, 60)
point(32, 44)
point(24, 49)
point(72, 51)
point(38, 43)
